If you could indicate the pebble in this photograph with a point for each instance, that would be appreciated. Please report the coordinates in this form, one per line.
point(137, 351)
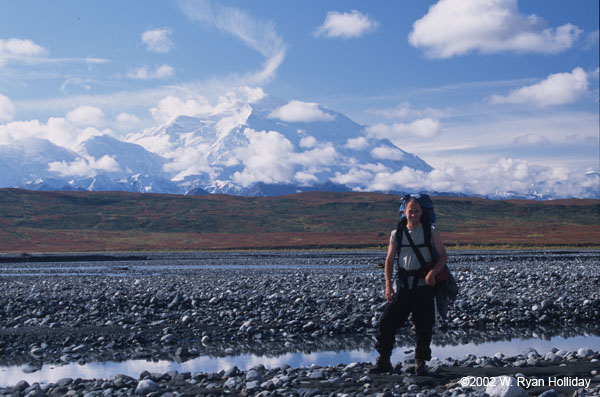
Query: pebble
point(315, 300)
point(146, 386)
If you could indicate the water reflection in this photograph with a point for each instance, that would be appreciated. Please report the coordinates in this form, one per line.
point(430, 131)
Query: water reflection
point(105, 370)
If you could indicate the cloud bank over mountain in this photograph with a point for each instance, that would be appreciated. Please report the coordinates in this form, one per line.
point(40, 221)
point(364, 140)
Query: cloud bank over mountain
point(247, 138)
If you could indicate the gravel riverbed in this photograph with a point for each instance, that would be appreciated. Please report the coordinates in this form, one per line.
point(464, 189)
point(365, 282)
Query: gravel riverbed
point(63, 309)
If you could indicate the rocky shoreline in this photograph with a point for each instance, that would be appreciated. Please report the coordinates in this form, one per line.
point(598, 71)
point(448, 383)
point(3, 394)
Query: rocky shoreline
point(179, 307)
point(560, 373)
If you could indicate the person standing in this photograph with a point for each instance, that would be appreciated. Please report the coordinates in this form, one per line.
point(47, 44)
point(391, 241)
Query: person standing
point(414, 283)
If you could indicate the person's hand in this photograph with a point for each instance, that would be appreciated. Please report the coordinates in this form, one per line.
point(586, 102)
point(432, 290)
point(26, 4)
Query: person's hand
point(389, 293)
point(430, 278)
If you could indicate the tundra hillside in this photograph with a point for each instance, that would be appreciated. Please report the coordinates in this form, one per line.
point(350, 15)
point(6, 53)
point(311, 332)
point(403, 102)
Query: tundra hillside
point(32, 221)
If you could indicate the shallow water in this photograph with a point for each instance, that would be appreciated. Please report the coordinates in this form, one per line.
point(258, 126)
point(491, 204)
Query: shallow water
point(105, 370)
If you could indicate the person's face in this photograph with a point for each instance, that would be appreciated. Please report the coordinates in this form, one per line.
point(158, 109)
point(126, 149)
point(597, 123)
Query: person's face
point(413, 212)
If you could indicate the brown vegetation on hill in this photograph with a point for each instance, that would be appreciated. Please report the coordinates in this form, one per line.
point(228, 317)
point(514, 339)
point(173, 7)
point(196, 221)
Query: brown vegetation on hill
point(119, 221)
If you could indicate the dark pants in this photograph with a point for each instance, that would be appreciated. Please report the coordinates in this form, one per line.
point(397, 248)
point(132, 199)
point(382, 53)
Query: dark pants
point(420, 303)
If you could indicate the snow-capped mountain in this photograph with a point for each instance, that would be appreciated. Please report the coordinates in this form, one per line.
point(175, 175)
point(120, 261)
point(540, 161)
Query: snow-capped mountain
point(232, 151)
point(27, 162)
point(252, 147)
point(265, 147)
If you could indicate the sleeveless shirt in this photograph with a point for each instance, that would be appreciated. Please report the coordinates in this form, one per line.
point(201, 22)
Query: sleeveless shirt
point(408, 258)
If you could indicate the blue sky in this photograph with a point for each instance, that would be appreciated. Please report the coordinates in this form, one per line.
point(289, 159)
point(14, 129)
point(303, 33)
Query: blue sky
point(499, 86)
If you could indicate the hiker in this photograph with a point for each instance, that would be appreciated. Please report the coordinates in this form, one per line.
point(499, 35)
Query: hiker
point(414, 283)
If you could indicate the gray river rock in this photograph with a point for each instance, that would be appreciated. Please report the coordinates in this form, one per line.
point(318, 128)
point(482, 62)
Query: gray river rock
point(181, 305)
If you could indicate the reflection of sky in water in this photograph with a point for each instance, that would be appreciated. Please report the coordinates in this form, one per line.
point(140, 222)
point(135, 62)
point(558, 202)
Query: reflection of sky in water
point(133, 368)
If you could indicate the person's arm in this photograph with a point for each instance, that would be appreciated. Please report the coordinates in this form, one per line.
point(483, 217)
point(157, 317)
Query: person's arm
point(438, 245)
point(389, 270)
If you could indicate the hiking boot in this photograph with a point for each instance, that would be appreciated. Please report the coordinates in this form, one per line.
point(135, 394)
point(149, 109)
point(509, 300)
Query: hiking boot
point(383, 364)
point(420, 368)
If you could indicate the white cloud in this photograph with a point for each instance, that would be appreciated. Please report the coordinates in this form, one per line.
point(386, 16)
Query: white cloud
point(346, 25)
point(85, 167)
point(18, 130)
point(188, 161)
point(26, 51)
point(387, 153)
point(424, 128)
point(86, 116)
point(305, 178)
point(57, 130)
point(360, 174)
point(557, 89)
point(62, 133)
point(159, 72)
point(298, 111)
point(170, 107)
point(19, 49)
point(495, 178)
point(270, 157)
point(308, 141)
point(256, 34)
point(323, 155)
point(592, 39)
point(457, 27)
point(359, 143)
point(7, 110)
point(127, 121)
point(267, 158)
point(157, 40)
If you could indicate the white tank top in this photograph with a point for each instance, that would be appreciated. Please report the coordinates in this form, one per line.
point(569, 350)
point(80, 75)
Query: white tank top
point(408, 258)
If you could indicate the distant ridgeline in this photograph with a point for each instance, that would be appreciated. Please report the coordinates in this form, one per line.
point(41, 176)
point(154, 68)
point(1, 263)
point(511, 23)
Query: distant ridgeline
point(34, 221)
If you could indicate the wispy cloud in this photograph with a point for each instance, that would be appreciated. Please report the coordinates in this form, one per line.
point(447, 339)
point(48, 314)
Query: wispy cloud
point(28, 52)
point(531, 140)
point(556, 89)
point(157, 40)
point(346, 25)
point(592, 39)
point(405, 110)
point(457, 27)
point(84, 116)
point(255, 33)
point(159, 72)
point(424, 128)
